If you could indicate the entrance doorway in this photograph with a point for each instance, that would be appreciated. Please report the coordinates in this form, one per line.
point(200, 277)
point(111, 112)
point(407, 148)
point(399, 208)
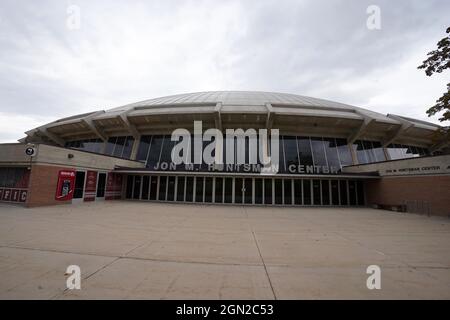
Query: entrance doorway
point(78, 192)
point(101, 185)
point(239, 190)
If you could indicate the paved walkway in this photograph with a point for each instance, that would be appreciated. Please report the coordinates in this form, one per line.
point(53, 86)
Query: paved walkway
point(162, 251)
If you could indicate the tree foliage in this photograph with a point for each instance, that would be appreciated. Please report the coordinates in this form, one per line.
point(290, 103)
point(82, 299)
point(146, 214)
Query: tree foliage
point(438, 60)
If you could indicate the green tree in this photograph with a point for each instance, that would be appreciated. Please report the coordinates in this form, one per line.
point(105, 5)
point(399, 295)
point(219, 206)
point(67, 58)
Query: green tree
point(438, 60)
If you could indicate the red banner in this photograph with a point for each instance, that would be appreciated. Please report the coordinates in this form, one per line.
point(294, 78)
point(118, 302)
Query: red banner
point(91, 186)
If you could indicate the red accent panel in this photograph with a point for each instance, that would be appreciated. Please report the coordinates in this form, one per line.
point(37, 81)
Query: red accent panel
point(66, 185)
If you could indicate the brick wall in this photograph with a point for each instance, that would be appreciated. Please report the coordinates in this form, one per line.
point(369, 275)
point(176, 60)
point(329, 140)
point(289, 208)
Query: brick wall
point(42, 188)
point(395, 190)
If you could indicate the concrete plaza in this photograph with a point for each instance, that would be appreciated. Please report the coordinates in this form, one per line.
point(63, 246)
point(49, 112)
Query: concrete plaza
point(136, 250)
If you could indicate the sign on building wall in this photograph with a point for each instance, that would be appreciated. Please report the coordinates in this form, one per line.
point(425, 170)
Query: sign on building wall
point(13, 195)
point(65, 185)
point(91, 186)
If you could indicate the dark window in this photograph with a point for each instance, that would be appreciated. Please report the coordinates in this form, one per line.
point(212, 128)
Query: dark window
point(360, 192)
point(208, 189)
point(79, 185)
point(127, 147)
point(219, 190)
point(144, 145)
point(145, 187)
point(189, 189)
point(316, 192)
point(91, 145)
point(307, 192)
point(238, 190)
point(268, 191)
point(248, 185)
point(352, 192)
point(228, 190)
point(14, 177)
point(166, 153)
point(199, 189)
point(180, 189)
point(110, 146)
point(162, 188)
point(343, 192)
point(155, 151)
point(325, 192)
point(137, 187)
point(298, 191)
point(129, 191)
point(335, 192)
point(118, 149)
point(278, 191)
point(153, 187)
point(290, 152)
point(101, 184)
point(304, 150)
point(331, 152)
point(171, 188)
point(258, 191)
point(318, 152)
point(288, 192)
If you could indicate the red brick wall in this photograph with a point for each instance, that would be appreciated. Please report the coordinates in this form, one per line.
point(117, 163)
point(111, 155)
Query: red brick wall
point(42, 189)
point(395, 190)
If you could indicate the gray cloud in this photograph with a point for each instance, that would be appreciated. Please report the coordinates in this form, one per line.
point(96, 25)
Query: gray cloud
point(127, 51)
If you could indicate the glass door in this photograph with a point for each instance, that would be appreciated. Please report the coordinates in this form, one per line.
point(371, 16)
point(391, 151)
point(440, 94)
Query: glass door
point(238, 189)
point(248, 190)
point(79, 186)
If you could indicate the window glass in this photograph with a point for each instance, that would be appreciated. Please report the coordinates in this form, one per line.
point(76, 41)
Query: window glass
point(128, 147)
point(331, 152)
point(393, 152)
point(155, 150)
point(318, 152)
point(118, 149)
point(110, 145)
point(304, 150)
point(368, 149)
point(360, 153)
point(345, 155)
point(144, 145)
point(290, 152)
point(14, 177)
point(378, 150)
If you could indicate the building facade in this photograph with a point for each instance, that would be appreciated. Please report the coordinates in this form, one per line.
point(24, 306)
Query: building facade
point(329, 154)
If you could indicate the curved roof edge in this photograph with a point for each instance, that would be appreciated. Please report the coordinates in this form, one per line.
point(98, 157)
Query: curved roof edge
point(286, 111)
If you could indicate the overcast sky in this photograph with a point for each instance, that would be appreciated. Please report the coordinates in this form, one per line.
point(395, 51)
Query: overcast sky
point(126, 51)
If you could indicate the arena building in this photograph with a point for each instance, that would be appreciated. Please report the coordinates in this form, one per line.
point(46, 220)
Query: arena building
point(330, 154)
